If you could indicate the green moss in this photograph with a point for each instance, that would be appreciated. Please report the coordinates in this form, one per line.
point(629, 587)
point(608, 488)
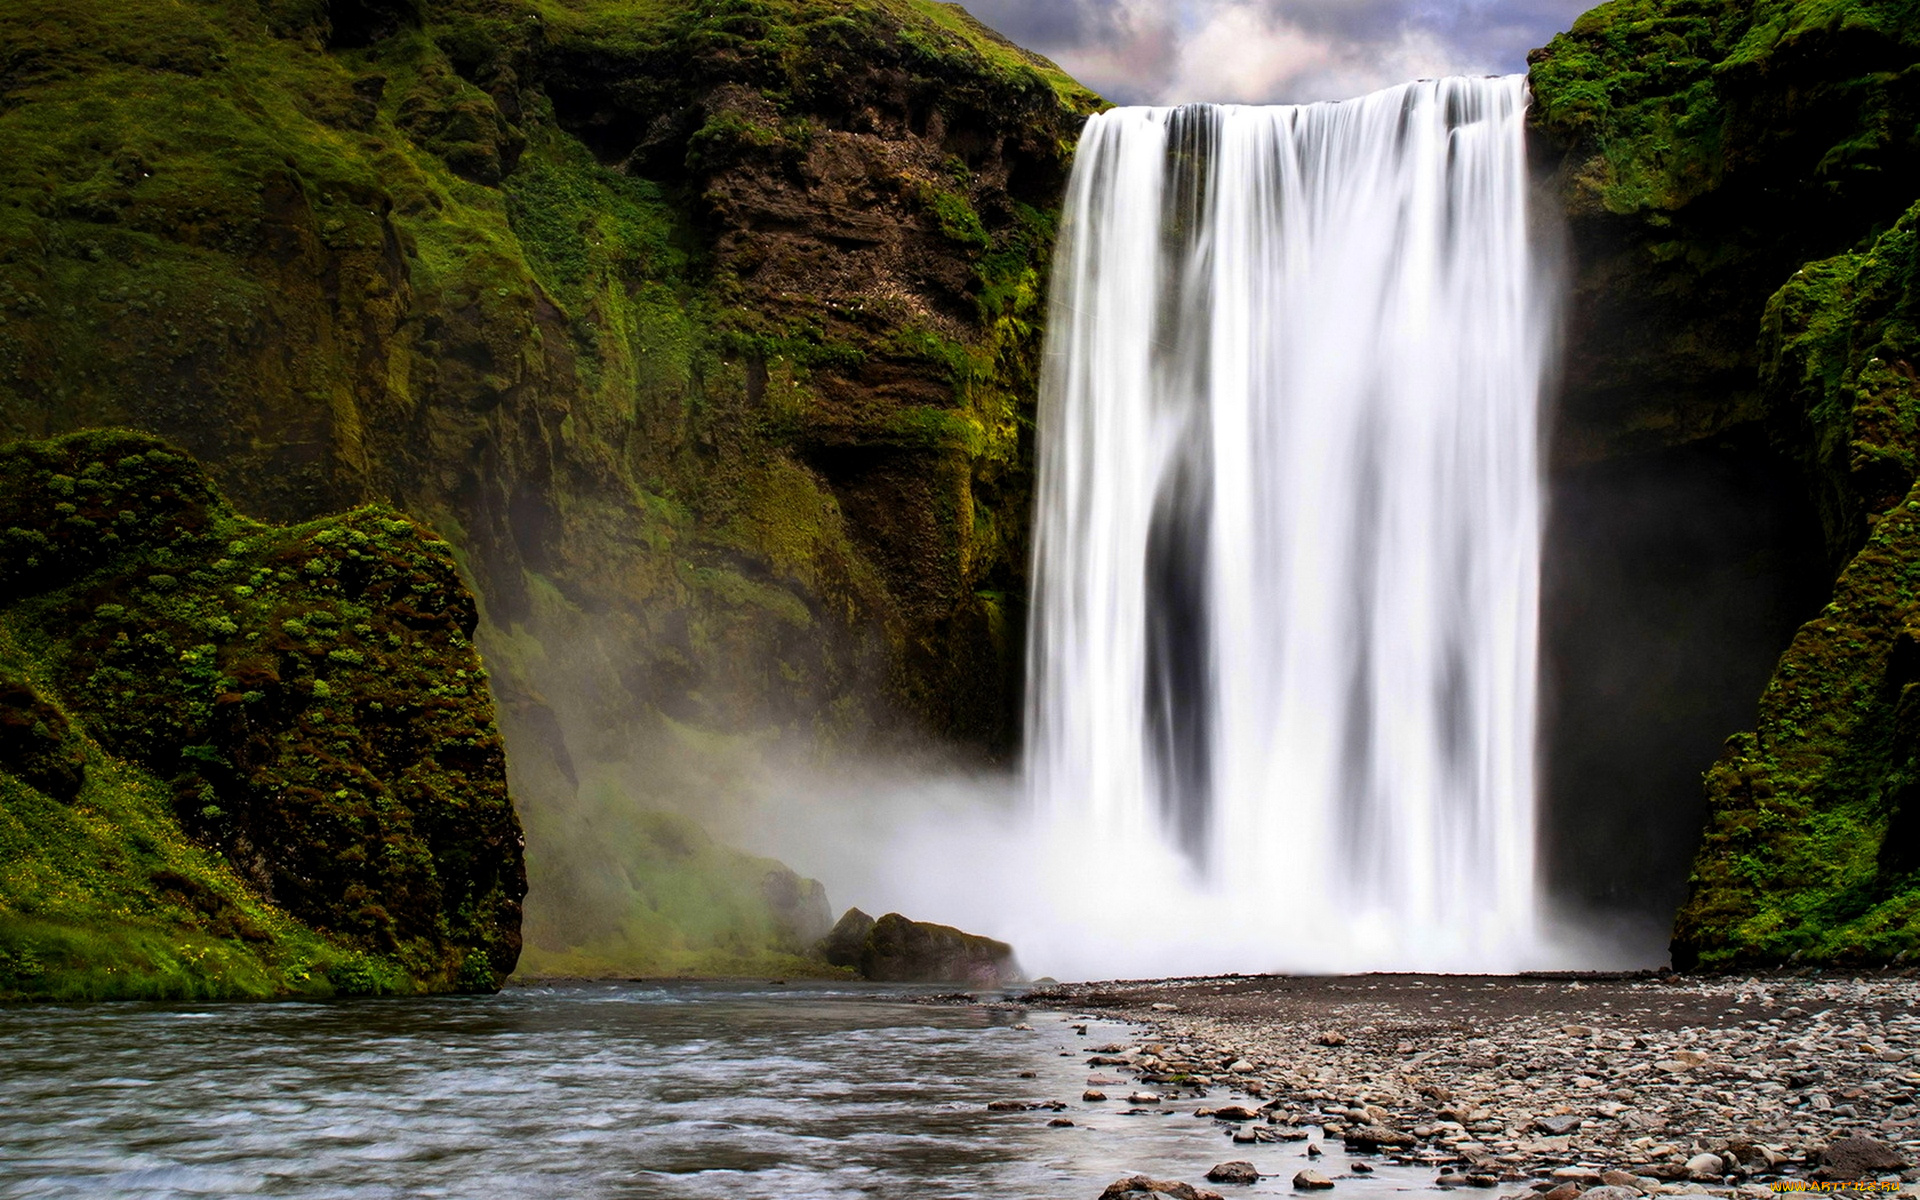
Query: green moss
point(1813, 852)
point(956, 218)
point(1838, 344)
point(1668, 95)
point(1706, 150)
point(501, 264)
point(294, 712)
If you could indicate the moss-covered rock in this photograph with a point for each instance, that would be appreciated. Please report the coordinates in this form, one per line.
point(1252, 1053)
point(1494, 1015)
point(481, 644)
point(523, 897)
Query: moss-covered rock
point(292, 779)
point(1812, 848)
point(895, 949)
point(707, 333)
point(898, 950)
point(1703, 151)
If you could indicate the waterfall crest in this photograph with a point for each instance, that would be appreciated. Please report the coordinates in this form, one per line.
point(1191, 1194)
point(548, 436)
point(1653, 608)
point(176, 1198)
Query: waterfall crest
point(1288, 527)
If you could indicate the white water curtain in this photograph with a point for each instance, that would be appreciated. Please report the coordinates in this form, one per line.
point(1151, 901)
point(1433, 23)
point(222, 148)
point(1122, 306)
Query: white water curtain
point(1287, 545)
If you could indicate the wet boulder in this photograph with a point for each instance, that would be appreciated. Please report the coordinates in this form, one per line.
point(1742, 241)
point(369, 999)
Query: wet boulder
point(847, 940)
point(1143, 1187)
point(902, 951)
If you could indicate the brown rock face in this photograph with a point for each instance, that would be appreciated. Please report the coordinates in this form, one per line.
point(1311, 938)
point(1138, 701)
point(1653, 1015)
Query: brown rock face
point(901, 951)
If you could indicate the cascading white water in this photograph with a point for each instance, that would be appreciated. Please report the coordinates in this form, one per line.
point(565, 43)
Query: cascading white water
point(1288, 528)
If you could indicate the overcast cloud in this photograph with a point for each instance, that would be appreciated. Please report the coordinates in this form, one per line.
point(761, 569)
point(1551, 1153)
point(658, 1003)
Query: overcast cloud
point(1274, 51)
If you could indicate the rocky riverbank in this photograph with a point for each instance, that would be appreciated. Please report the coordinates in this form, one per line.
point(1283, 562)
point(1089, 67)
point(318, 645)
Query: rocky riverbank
point(1610, 1087)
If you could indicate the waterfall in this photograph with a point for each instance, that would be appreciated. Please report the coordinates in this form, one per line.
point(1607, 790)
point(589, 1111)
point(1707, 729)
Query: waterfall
point(1287, 540)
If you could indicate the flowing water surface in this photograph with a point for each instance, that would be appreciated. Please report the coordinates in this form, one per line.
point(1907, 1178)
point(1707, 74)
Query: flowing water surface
point(616, 1090)
point(1287, 532)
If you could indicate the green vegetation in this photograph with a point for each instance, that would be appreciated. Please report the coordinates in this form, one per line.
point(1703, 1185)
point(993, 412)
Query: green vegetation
point(684, 905)
point(1814, 849)
point(1707, 149)
point(199, 711)
point(707, 335)
point(1672, 97)
point(1740, 177)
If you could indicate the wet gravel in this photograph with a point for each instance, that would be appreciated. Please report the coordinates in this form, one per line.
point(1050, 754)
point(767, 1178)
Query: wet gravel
point(1655, 1084)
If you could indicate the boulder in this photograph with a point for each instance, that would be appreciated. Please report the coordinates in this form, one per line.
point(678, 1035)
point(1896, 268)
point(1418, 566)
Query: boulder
point(1312, 1181)
point(1373, 1137)
point(901, 951)
point(1237, 1171)
point(1853, 1158)
point(846, 941)
point(1142, 1187)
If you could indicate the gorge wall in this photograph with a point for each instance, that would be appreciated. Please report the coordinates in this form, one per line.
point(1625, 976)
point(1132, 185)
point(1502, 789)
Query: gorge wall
point(1737, 429)
point(706, 334)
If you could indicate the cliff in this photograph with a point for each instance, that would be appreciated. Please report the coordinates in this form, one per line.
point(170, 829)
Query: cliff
point(1737, 179)
point(237, 759)
point(705, 333)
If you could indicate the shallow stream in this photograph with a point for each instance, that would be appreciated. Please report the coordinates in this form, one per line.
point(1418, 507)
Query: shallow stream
point(617, 1090)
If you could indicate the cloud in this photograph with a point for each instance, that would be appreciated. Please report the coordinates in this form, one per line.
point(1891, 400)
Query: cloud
point(1274, 51)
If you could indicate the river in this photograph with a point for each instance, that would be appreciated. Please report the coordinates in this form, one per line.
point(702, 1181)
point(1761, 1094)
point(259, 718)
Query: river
point(597, 1090)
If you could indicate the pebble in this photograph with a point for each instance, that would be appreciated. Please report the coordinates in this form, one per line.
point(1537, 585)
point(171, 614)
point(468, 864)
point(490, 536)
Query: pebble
point(1142, 1187)
point(1621, 1088)
point(1237, 1171)
point(1705, 1167)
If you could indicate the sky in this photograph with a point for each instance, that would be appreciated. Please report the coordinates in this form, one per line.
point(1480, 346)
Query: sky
point(1274, 51)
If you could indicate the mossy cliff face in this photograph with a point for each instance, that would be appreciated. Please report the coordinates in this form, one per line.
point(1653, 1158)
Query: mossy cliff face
point(706, 333)
point(238, 759)
point(1813, 850)
point(1703, 150)
point(1737, 179)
